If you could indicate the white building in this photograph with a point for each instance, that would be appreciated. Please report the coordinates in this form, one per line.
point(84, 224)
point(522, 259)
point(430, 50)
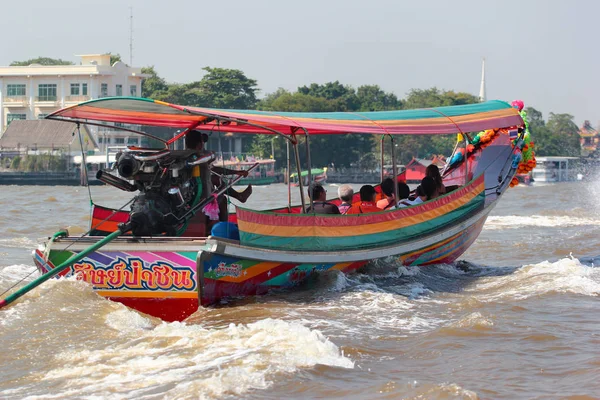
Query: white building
point(34, 91)
point(555, 169)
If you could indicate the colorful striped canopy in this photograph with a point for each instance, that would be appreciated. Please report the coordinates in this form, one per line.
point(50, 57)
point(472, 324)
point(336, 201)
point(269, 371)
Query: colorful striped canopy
point(440, 120)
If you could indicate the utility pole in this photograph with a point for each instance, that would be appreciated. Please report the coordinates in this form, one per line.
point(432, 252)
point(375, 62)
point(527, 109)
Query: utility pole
point(131, 36)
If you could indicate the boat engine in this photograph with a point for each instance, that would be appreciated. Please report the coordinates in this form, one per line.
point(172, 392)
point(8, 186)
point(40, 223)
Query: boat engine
point(167, 186)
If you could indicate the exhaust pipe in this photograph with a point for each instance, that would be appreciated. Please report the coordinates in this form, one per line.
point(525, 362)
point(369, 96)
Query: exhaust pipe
point(117, 182)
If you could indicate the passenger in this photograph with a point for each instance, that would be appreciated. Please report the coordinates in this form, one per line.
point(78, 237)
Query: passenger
point(195, 140)
point(403, 193)
point(421, 197)
point(387, 188)
point(320, 203)
point(425, 191)
point(367, 203)
point(433, 171)
point(345, 193)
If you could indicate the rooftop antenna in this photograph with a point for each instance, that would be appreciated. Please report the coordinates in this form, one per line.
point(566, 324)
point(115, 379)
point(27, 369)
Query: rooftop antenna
point(130, 36)
point(482, 95)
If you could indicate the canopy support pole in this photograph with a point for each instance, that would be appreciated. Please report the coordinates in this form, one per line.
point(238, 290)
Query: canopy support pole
point(299, 168)
point(466, 159)
point(395, 169)
point(287, 176)
point(382, 175)
point(309, 172)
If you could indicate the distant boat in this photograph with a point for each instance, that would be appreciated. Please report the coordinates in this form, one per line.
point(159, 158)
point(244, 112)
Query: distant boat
point(263, 174)
point(318, 175)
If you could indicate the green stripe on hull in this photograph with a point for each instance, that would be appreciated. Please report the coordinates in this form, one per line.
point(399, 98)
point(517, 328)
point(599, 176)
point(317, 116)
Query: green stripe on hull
point(313, 243)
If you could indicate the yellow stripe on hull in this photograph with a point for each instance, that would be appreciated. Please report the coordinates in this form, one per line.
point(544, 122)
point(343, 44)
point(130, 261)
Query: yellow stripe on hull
point(346, 231)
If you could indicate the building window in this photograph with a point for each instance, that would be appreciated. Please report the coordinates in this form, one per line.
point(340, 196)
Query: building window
point(47, 92)
point(42, 116)
point(84, 89)
point(119, 140)
point(132, 140)
point(14, 90)
point(119, 90)
point(133, 90)
point(11, 117)
point(104, 90)
point(74, 89)
point(100, 140)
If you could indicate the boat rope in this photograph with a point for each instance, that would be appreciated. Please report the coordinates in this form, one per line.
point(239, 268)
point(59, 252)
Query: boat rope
point(224, 179)
point(84, 164)
point(72, 243)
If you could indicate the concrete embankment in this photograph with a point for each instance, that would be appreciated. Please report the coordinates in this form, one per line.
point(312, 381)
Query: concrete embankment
point(40, 178)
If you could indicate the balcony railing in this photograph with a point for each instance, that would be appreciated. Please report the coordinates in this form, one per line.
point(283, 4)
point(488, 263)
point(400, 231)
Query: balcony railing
point(76, 99)
point(18, 101)
point(45, 98)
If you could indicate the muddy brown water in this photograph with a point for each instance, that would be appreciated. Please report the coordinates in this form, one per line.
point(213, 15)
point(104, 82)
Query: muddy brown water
point(519, 318)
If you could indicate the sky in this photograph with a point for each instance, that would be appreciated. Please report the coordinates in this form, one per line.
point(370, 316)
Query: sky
point(540, 51)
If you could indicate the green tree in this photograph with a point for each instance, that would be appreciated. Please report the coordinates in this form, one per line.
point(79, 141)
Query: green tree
point(434, 97)
point(534, 117)
point(342, 97)
point(154, 86)
point(297, 102)
point(41, 61)
point(349, 149)
point(427, 146)
point(114, 58)
point(565, 135)
point(373, 98)
point(225, 88)
point(15, 163)
point(558, 137)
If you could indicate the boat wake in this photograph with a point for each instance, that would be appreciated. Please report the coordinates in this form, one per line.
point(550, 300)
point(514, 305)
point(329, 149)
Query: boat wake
point(388, 297)
point(273, 337)
point(516, 221)
point(137, 356)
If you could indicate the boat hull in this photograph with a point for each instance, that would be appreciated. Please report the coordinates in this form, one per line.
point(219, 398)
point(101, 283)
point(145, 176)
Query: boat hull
point(144, 277)
point(170, 279)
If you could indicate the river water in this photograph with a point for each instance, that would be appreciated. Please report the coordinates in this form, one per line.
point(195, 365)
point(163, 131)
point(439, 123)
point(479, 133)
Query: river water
point(517, 319)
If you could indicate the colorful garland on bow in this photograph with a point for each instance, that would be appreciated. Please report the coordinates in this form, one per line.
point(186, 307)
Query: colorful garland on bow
point(527, 161)
point(524, 161)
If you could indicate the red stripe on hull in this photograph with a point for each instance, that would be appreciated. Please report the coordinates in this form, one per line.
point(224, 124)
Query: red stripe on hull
point(166, 309)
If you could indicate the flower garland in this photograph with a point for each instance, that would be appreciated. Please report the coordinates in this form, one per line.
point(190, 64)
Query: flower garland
point(526, 145)
point(524, 161)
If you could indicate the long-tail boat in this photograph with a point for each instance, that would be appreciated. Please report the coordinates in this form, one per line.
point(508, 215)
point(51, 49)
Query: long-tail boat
point(161, 259)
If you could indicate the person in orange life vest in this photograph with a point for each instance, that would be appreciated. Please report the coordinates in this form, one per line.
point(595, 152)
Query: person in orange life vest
point(387, 188)
point(367, 201)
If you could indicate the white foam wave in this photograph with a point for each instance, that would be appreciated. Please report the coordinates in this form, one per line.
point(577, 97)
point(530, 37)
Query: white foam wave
point(18, 243)
point(473, 320)
point(567, 275)
point(373, 311)
point(16, 272)
point(180, 360)
point(516, 221)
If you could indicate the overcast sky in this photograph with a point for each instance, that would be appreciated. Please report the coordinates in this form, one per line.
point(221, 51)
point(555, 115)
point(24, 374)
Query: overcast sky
point(543, 52)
